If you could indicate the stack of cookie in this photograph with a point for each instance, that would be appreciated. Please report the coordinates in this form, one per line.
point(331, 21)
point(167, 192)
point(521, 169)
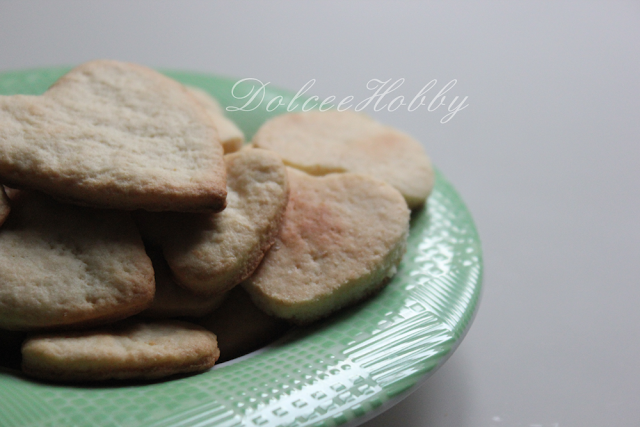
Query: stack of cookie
point(130, 204)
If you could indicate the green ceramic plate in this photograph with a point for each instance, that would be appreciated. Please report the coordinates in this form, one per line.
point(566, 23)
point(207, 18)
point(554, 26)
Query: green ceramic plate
point(340, 371)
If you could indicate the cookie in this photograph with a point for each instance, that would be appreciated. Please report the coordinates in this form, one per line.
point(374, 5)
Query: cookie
point(172, 300)
point(325, 142)
point(240, 326)
point(116, 135)
point(144, 350)
point(210, 253)
point(64, 265)
point(231, 137)
point(5, 206)
point(342, 238)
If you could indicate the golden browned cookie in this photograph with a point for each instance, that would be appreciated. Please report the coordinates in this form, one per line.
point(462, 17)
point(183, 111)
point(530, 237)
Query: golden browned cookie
point(145, 350)
point(210, 253)
point(231, 137)
point(342, 238)
point(240, 326)
point(63, 265)
point(5, 206)
point(116, 135)
point(325, 142)
point(170, 299)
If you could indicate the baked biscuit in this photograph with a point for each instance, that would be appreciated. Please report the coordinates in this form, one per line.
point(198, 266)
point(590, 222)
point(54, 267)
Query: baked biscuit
point(342, 238)
point(172, 300)
point(64, 265)
point(231, 137)
point(240, 326)
point(210, 253)
point(120, 351)
point(5, 206)
point(325, 142)
point(116, 135)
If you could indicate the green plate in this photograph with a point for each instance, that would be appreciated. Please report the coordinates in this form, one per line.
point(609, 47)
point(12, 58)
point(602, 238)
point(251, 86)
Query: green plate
point(345, 369)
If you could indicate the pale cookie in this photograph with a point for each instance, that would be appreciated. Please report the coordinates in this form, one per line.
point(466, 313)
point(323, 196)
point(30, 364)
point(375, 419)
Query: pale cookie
point(231, 137)
point(121, 351)
point(5, 206)
point(171, 300)
point(325, 142)
point(64, 265)
point(240, 326)
point(116, 135)
point(342, 238)
point(210, 253)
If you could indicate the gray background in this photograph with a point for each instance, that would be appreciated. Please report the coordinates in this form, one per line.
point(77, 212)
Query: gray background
point(546, 157)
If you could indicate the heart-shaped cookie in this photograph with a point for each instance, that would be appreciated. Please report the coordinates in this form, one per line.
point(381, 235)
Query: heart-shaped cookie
point(342, 237)
point(69, 266)
point(121, 351)
point(210, 253)
point(326, 142)
point(117, 135)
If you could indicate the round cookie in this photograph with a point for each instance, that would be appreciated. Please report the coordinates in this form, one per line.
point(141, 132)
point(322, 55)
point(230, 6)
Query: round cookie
point(172, 300)
point(145, 350)
point(210, 253)
point(342, 238)
point(64, 265)
point(116, 135)
point(325, 142)
point(231, 137)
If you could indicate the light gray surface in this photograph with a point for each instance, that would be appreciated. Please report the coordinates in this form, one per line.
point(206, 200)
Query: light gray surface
point(546, 156)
